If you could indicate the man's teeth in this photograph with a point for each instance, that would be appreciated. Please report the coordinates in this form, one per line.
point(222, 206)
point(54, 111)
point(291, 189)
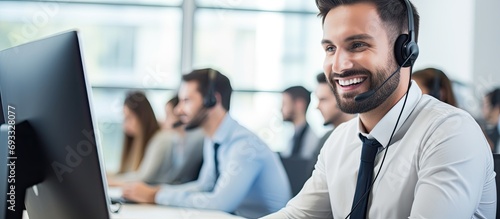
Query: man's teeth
point(350, 81)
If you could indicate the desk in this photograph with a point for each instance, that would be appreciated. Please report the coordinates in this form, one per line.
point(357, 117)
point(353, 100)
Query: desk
point(149, 211)
point(135, 211)
point(146, 211)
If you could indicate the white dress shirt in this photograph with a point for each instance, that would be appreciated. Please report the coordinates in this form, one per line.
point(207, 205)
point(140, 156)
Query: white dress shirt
point(439, 166)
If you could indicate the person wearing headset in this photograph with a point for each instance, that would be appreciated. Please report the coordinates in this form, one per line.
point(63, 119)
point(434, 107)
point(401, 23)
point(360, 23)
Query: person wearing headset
point(240, 174)
point(406, 155)
point(434, 82)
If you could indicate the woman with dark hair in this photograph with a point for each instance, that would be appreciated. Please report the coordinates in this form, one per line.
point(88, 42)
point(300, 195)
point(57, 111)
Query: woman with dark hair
point(144, 143)
point(434, 82)
point(154, 155)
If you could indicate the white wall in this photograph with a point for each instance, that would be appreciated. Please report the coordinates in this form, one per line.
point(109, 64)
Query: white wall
point(446, 38)
point(486, 73)
point(462, 38)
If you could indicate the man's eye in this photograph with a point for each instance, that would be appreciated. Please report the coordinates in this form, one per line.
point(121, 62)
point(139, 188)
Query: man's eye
point(330, 49)
point(358, 45)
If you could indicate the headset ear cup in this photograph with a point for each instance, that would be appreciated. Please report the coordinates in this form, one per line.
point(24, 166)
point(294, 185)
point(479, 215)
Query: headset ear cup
point(399, 50)
point(209, 101)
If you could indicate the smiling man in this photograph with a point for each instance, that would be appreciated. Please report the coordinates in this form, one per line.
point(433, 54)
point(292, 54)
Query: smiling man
point(406, 155)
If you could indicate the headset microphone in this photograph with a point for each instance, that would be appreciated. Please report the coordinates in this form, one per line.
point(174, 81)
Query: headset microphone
point(367, 94)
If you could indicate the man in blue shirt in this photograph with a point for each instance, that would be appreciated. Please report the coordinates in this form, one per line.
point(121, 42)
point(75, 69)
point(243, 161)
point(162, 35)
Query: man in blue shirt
point(240, 174)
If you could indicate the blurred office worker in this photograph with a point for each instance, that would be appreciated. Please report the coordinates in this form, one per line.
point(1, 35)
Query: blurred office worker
point(434, 82)
point(184, 154)
point(299, 168)
point(491, 113)
point(240, 174)
point(330, 110)
point(296, 100)
point(144, 142)
point(433, 158)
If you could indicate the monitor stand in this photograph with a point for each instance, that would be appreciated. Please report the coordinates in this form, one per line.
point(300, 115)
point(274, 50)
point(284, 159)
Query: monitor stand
point(22, 156)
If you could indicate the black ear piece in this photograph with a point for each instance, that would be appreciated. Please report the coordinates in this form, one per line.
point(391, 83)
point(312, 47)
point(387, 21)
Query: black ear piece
point(399, 50)
point(406, 46)
point(209, 99)
point(405, 53)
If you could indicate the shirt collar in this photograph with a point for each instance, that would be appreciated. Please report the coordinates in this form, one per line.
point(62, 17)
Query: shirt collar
point(384, 127)
point(225, 128)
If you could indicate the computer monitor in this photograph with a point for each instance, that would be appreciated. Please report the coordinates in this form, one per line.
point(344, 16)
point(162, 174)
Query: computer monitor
point(44, 83)
point(1, 110)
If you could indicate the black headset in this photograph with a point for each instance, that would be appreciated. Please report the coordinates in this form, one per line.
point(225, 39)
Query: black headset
point(406, 44)
point(405, 47)
point(209, 99)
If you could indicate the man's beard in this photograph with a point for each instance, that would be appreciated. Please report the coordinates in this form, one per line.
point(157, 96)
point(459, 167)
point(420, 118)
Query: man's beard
point(347, 103)
point(198, 120)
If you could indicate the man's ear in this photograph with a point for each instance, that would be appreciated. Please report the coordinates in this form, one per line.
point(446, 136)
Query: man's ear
point(218, 97)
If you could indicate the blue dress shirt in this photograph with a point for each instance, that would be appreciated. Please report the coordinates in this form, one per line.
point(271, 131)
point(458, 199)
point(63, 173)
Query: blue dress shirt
point(252, 180)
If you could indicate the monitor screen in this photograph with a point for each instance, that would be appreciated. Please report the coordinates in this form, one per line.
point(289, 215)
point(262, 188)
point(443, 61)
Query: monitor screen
point(44, 83)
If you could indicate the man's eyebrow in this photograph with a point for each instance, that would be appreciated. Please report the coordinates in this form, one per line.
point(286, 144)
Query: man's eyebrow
point(325, 41)
point(358, 37)
point(350, 38)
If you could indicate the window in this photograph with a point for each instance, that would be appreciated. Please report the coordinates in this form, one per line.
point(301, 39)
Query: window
point(126, 46)
point(259, 50)
point(262, 46)
point(274, 5)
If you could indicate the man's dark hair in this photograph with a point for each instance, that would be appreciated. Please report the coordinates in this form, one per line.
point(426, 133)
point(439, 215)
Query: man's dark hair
point(321, 78)
point(299, 92)
point(393, 14)
point(221, 84)
point(174, 100)
point(493, 98)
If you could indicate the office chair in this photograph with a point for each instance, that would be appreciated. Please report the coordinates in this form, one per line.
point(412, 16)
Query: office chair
point(496, 160)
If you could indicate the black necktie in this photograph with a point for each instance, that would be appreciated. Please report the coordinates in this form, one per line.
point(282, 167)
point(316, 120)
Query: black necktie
point(216, 161)
point(365, 175)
